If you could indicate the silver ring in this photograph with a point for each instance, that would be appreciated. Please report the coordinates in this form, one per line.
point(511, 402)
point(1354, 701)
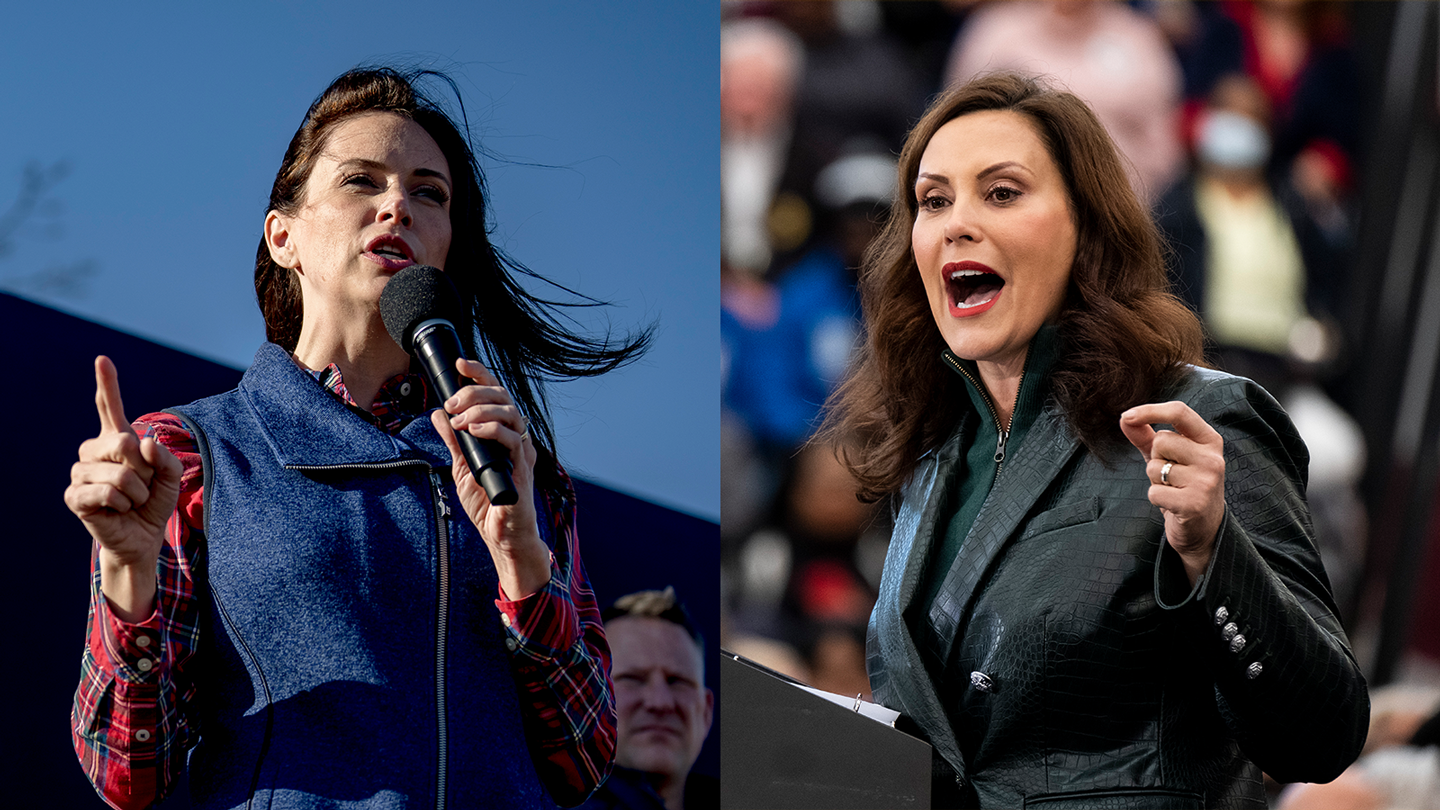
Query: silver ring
point(1165, 473)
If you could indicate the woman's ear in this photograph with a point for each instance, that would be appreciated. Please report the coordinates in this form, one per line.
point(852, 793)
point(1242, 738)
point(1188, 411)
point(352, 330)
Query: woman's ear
point(278, 240)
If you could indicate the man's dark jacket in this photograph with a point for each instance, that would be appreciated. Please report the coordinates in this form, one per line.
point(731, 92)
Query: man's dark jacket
point(629, 789)
point(1077, 667)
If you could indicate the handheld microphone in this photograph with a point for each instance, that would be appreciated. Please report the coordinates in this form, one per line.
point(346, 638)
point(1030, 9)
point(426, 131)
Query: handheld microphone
point(420, 307)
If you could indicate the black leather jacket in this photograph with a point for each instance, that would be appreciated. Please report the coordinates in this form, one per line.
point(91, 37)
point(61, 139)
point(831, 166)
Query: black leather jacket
point(1078, 668)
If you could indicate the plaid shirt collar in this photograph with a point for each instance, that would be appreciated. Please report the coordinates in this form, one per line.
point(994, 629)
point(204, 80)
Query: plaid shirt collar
point(401, 399)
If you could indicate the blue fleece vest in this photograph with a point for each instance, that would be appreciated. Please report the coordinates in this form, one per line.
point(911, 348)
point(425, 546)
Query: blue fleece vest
point(351, 653)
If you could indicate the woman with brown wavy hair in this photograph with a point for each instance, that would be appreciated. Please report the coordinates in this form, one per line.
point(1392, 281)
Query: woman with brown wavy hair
point(1077, 608)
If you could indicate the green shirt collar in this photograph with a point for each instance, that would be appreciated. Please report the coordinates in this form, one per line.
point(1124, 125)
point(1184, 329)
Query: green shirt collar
point(1043, 352)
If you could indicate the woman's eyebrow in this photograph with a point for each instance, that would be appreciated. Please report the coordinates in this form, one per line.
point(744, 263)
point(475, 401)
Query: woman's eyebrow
point(422, 172)
point(361, 163)
point(1001, 166)
point(980, 175)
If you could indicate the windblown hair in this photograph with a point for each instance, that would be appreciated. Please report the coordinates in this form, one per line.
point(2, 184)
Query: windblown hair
point(1123, 338)
point(517, 335)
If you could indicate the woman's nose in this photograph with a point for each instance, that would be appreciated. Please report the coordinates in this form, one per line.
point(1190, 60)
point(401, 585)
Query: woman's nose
point(960, 224)
point(395, 205)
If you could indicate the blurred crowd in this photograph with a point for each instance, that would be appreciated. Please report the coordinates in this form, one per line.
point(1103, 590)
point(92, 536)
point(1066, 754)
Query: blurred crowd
point(1241, 126)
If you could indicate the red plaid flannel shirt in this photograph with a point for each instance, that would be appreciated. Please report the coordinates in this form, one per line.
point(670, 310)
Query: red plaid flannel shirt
point(131, 723)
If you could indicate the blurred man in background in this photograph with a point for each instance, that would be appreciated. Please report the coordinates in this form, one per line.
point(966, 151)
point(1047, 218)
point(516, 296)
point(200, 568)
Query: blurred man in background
point(664, 709)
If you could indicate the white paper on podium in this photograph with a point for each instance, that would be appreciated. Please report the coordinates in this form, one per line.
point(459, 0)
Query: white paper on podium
point(874, 711)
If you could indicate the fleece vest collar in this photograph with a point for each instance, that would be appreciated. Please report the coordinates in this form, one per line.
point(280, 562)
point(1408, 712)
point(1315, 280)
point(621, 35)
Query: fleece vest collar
point(306, 426)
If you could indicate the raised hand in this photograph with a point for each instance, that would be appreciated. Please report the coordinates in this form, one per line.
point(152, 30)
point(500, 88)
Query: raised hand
point(124, 490)
point(1186, 468)
point(486, 411)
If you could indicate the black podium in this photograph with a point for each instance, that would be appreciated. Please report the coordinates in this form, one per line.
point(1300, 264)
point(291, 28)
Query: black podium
point(784, 747)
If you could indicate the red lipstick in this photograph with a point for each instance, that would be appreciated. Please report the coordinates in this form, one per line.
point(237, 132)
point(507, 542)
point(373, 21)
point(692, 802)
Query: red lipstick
point(971, 288)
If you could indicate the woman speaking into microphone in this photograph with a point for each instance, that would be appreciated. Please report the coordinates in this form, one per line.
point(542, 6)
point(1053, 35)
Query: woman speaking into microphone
point(299, 587)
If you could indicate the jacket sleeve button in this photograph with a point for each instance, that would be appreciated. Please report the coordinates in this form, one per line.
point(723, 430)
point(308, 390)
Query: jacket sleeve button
point(1221, 614)
point(1228, 631)
point(1253, 671)
point(1237, 643)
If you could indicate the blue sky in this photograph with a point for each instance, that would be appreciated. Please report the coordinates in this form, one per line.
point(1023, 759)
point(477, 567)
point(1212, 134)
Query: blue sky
point(170, 120)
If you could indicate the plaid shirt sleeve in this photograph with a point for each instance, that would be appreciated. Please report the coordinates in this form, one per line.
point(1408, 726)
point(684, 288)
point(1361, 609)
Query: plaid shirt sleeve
point(562, 667)
point(129, 722)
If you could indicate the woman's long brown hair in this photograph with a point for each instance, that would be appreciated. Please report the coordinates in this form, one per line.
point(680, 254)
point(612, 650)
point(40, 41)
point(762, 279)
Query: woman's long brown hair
point(1123, 337)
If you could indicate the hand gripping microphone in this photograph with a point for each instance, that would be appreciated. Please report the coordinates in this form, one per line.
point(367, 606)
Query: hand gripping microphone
point(420, 307)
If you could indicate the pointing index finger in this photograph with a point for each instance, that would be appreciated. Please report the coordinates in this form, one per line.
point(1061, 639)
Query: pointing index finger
point(107, 398)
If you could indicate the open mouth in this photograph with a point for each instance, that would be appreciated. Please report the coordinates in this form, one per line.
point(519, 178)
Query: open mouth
point(391, 252)
point(972, 291)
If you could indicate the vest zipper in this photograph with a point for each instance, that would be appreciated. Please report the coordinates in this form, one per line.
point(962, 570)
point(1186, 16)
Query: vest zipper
point(1002, 430)
point(442, 527)
point(442, 612)
point(377, 465)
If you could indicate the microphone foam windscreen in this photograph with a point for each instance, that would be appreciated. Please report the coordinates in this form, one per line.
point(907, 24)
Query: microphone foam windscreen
point(414, 295)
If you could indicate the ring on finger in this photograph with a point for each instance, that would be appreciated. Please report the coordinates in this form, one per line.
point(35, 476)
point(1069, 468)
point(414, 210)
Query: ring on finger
point(1165, 473)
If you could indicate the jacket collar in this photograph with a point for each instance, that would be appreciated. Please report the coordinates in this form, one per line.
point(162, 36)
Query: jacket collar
point(306, 426)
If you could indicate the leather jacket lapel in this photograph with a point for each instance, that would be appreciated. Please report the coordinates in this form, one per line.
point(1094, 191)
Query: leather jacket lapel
point(899, 678)
point(1026, 475)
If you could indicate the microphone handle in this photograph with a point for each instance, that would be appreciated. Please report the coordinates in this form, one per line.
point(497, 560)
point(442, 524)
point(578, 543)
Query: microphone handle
point(438, 347)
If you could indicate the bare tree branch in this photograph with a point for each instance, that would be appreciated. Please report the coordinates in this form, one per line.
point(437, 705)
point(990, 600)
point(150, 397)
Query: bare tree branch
point(36, 209)
point(36, 182)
